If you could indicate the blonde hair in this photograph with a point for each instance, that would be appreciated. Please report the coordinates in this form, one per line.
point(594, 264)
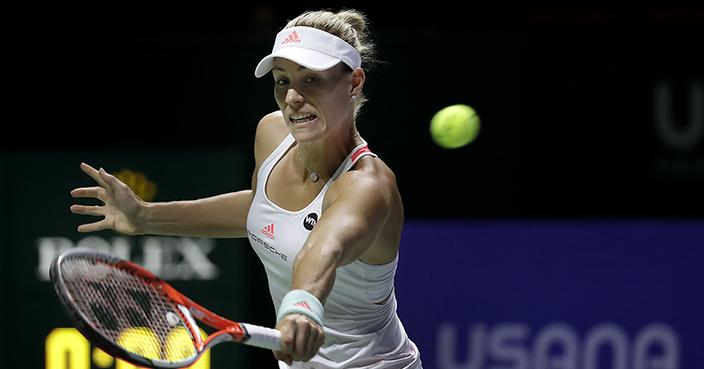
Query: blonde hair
point(349, 25)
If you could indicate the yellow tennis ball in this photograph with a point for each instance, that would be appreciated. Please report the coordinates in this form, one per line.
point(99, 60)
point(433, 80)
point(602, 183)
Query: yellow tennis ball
point(455, 126)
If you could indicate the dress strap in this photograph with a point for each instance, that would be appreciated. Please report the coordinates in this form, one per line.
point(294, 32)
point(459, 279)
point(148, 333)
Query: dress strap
point(352, 159)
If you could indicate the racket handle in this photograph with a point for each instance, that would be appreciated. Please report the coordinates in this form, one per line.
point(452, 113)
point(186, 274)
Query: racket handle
point(262, 337)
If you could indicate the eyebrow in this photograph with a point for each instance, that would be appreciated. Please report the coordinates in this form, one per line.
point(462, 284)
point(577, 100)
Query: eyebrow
point(282, 69)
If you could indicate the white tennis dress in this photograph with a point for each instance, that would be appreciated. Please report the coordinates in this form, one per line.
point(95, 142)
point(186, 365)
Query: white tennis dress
point(358, 332)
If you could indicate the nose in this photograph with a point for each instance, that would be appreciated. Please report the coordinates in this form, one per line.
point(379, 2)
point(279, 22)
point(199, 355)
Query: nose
point(293, 97)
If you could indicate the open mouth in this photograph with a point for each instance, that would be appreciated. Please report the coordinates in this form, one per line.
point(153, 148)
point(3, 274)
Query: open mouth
point(302, 118)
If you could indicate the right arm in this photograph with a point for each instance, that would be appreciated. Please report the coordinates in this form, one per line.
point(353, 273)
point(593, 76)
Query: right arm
point(222, 216)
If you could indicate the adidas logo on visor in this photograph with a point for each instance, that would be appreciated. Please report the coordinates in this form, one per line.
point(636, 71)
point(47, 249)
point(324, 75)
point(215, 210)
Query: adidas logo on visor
point(310, 47)
point(292, 38)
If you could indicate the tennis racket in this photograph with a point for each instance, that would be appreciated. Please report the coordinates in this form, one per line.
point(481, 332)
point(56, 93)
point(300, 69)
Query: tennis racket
point(133, 315)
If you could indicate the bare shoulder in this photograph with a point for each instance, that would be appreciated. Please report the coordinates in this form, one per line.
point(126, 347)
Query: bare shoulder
point(271, 130)
point(376, 172)
point(370, 179)
point(369, 191)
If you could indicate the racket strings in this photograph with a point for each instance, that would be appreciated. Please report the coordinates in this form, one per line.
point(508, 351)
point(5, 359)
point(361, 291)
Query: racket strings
point(128, 310)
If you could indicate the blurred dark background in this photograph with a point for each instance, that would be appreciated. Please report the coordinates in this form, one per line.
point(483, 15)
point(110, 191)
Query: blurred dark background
point(586, 114)
point(566, 97)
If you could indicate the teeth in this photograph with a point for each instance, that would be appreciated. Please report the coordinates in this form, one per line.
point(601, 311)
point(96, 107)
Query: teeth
point(297, 118)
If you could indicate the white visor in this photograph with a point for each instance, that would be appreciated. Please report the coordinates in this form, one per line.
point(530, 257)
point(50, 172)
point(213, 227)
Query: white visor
point(310, 47)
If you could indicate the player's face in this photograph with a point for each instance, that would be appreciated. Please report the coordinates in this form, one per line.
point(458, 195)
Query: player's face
point(315, 104)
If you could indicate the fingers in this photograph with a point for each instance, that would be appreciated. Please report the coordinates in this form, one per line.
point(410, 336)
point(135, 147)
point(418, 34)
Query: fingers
point(93, 227)
point(87, 210)
point(89, 192)
point(102, 177)
point(107, 178)
point(109, 185)
point(93, 173)
point(300, 338)
point(288, 359)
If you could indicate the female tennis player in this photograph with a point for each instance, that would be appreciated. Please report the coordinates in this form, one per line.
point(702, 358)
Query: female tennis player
point(324, 213)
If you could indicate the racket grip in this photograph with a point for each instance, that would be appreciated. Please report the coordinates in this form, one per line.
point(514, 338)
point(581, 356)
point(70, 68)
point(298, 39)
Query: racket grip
point(262, 337)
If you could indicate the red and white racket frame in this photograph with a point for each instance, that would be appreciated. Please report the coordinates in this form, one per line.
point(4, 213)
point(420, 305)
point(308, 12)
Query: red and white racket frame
point(228, 330)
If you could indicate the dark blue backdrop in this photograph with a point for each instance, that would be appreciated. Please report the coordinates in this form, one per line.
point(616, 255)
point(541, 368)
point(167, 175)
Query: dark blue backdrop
point(554, 294)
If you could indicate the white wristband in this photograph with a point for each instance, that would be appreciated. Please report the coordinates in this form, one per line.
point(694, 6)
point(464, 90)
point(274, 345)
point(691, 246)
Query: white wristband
point(301, 302)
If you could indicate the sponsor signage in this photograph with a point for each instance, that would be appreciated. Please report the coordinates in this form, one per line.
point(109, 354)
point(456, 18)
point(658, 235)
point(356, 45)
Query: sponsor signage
point(536, 294)
point(38, 226)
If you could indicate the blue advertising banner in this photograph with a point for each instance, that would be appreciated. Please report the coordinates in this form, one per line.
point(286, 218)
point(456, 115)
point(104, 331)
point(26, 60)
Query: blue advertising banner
point(554, 294)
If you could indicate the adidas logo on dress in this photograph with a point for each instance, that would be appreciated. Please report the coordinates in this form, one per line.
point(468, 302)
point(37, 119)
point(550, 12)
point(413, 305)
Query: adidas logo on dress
point(269, 231)
point(293, 37)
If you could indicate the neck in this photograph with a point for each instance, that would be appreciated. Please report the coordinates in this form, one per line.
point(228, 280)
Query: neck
point(321, 159)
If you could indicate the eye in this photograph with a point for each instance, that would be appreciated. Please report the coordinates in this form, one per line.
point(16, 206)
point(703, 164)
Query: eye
point(312, 80)
point(281, 81)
